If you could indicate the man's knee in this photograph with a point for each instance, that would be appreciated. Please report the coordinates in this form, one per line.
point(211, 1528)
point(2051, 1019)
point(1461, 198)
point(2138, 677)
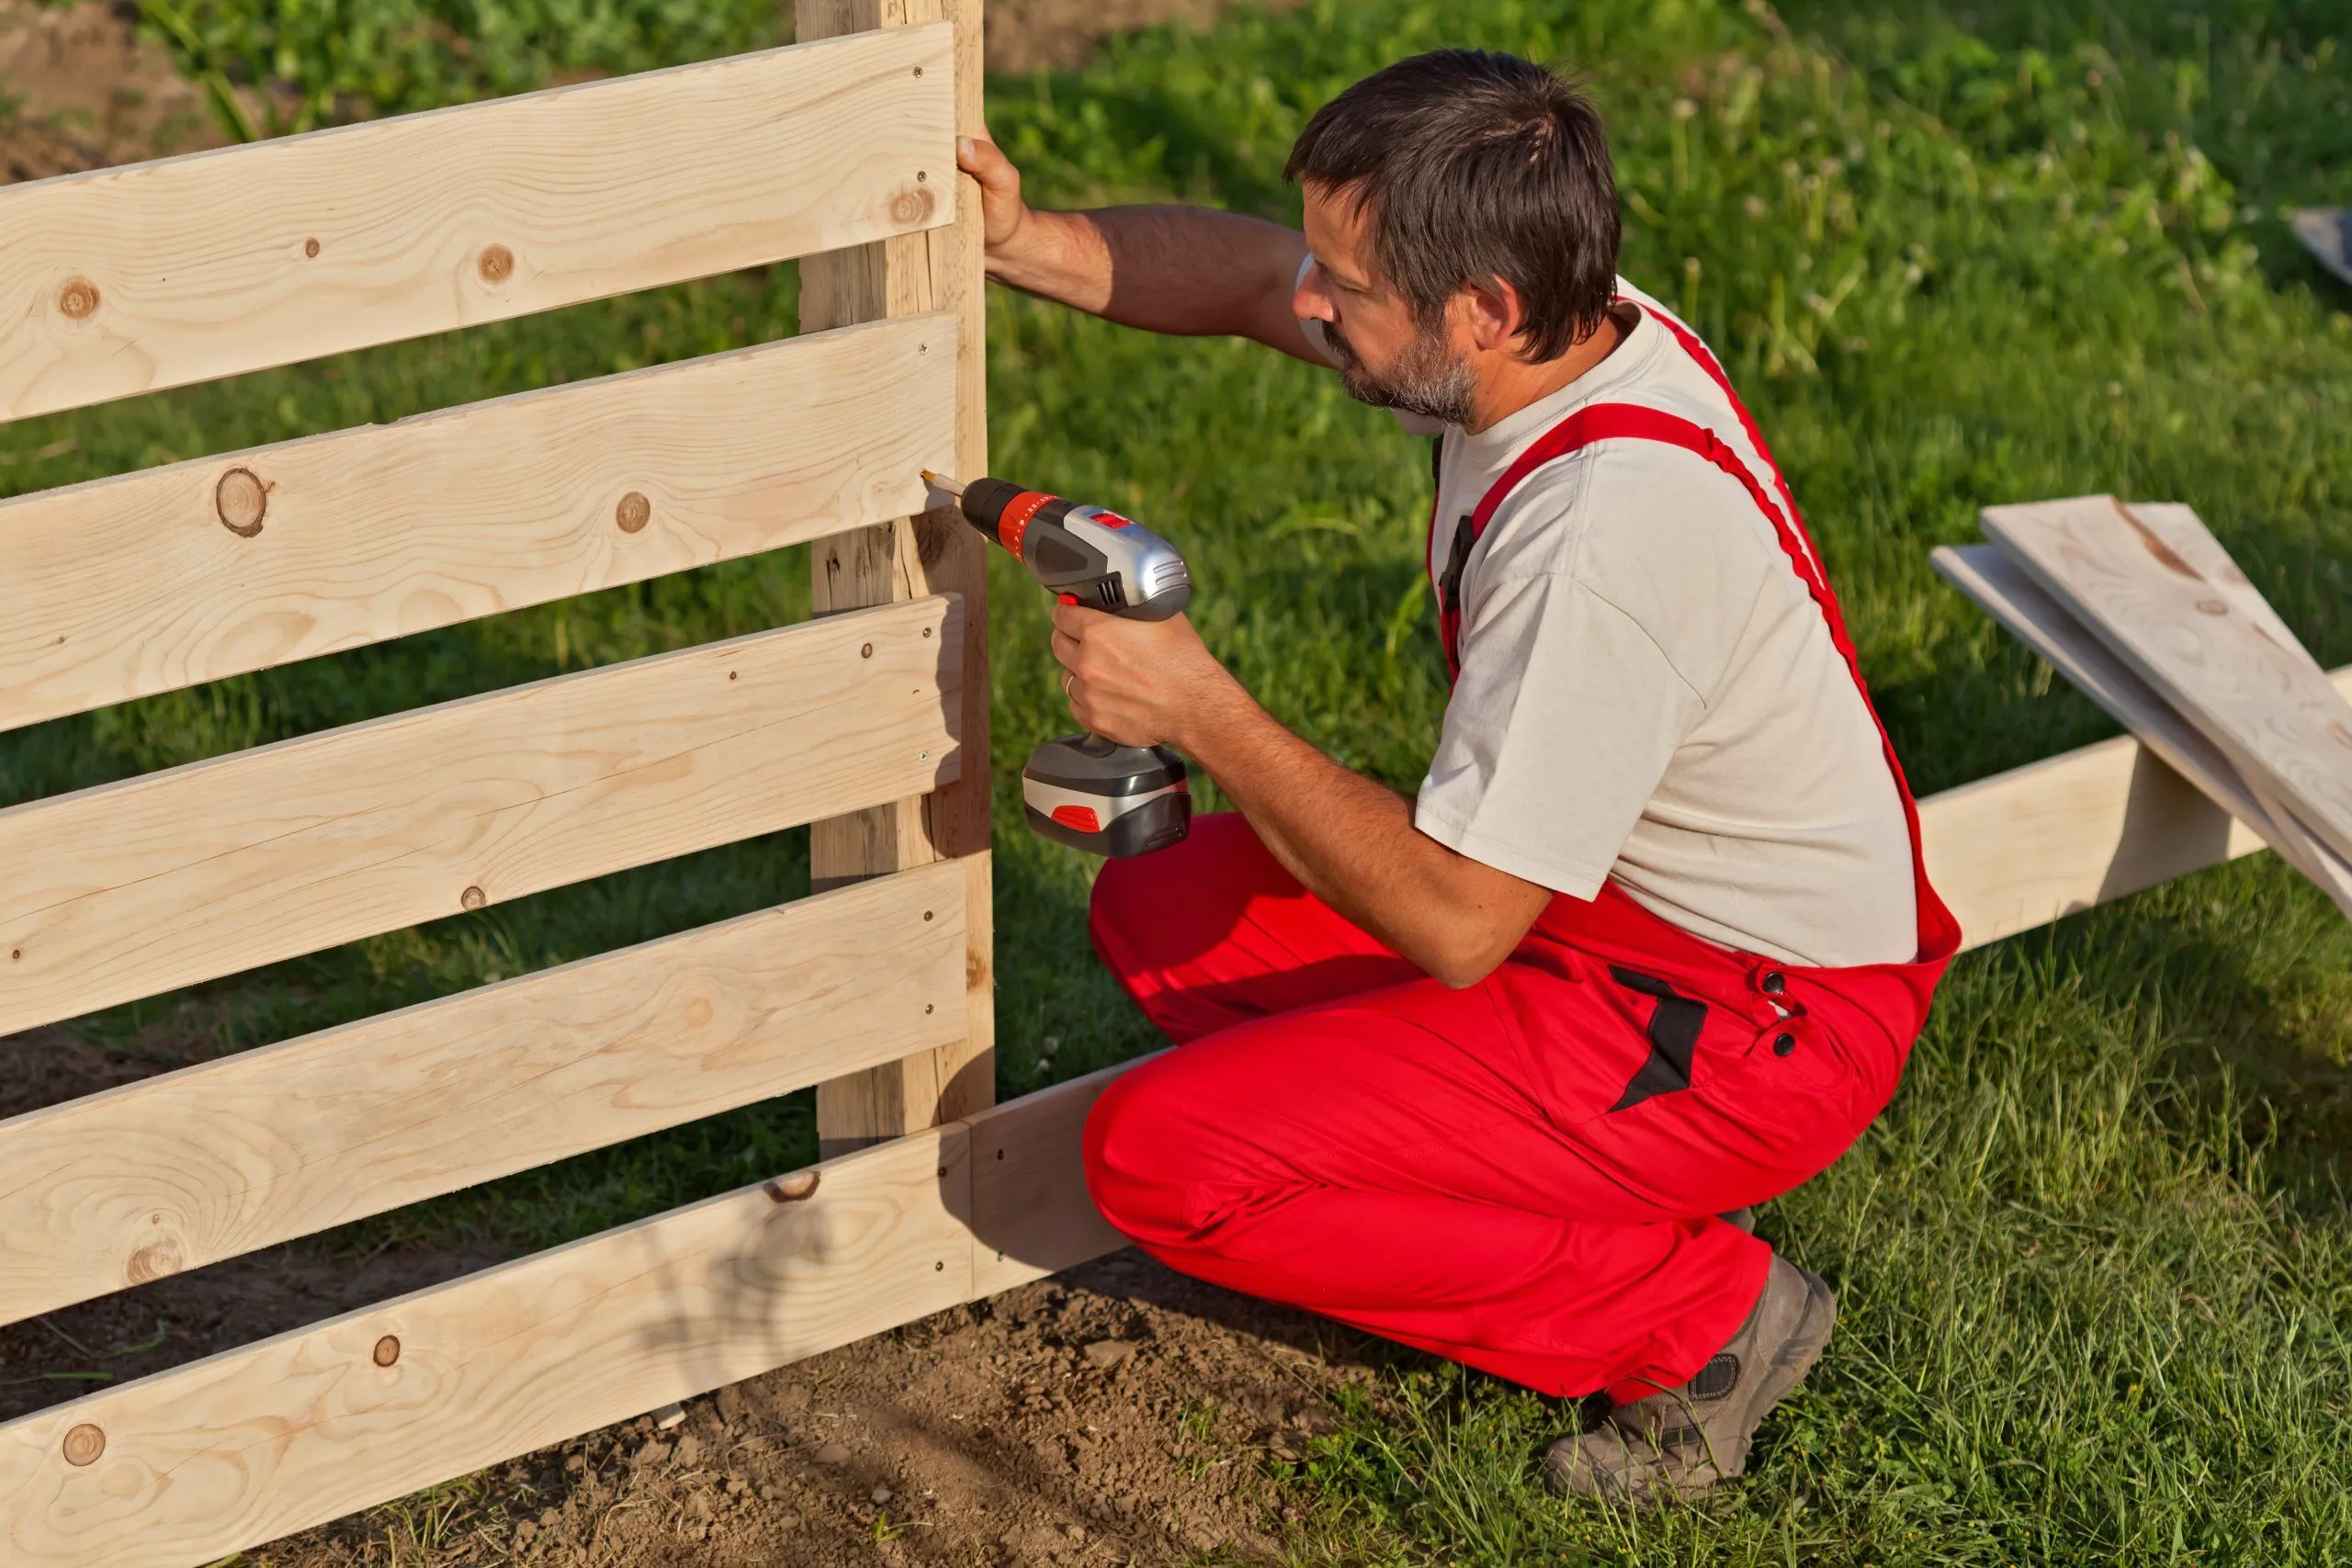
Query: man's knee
point(1134, 1156)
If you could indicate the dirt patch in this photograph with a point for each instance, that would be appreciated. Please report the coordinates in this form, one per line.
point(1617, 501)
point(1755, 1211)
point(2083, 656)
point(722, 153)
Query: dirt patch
point(1058, 35)
point(79, 89)
point(1116, 1415)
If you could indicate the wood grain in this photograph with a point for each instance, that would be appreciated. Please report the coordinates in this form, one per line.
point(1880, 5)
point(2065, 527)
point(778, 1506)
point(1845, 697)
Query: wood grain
point(2264, 705)
point(157, 275)
point(139, 584)
point(932, 552)
point(184, 1169)
point(200, 871)
point(1031, 1214)
point(247, 1445)
point(2005, 591)
point(2024, 848)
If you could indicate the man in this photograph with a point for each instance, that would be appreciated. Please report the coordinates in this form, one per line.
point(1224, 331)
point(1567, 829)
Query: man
point(1478, 1070)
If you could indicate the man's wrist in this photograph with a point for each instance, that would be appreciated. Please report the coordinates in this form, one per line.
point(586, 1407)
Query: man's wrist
point(1039, 257)
point(1220, 722)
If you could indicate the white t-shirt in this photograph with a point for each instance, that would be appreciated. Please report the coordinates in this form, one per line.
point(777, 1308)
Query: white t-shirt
point(1648, 693)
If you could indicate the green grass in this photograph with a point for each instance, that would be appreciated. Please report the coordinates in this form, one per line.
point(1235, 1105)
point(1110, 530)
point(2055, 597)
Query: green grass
point(2095, 1263)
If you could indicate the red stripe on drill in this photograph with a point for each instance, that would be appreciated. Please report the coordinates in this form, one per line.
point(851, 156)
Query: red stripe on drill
point(1014, 522)
point(1081, 817)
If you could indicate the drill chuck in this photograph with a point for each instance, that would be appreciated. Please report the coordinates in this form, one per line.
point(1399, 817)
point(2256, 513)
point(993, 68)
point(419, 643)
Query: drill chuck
point(1089, 553)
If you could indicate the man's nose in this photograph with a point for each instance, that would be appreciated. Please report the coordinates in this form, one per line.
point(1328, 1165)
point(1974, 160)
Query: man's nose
point(1308, 302)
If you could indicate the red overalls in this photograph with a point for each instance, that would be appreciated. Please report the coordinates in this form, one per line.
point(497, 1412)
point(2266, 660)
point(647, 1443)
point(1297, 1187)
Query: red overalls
point(1523, 1175)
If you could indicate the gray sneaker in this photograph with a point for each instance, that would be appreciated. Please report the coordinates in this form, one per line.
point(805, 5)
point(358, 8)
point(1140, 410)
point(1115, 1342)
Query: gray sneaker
point(1683, 1440)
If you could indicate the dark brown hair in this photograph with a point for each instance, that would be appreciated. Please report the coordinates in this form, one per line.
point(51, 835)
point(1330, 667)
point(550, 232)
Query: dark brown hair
point(1470, 166)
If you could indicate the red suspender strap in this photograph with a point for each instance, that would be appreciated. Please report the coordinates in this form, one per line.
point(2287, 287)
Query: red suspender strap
point(1939, 933)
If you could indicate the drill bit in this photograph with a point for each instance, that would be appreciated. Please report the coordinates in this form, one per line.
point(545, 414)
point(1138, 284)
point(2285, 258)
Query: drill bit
point(941, 481)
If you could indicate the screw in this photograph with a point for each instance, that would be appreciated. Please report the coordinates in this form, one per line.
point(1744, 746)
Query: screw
point(927, 1007)
point(926, 914)
point(921, 174)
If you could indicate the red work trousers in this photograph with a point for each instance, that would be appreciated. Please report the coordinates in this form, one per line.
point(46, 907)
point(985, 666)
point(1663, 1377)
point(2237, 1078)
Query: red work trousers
point(1522, 1176)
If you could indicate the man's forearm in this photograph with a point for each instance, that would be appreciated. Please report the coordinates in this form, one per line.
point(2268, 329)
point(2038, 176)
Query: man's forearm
point(1182, 270)
point(1353, 843)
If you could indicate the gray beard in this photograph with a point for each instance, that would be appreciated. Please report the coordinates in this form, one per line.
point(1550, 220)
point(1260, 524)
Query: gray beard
point(1427, 379)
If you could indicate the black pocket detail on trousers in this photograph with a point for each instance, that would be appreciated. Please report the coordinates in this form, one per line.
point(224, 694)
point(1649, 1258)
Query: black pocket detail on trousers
point(1675, 1023)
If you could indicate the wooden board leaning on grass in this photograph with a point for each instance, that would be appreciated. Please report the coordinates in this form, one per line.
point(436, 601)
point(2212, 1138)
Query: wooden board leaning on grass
point(178, 1171)
point(187, 1466)
point(2003, 589)
point(200, 871)
point(2266, 706)
point(275, 1436)
point(171, 576)
point(158, 275)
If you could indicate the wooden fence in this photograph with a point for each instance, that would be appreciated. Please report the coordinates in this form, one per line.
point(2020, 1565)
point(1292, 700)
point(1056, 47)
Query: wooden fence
point(869, 722)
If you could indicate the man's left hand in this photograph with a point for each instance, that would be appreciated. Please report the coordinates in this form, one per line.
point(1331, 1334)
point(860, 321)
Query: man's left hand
point(1139, 682)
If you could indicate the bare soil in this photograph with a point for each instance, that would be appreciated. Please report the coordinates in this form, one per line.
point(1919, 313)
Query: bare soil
point(79, 90)
point(1058, 35)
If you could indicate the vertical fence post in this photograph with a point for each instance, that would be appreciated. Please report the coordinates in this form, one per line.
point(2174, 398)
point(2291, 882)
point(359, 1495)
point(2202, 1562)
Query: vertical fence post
point(934, 553)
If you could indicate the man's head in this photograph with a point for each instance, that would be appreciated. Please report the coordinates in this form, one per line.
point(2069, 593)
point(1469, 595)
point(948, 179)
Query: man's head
point(1463, 215)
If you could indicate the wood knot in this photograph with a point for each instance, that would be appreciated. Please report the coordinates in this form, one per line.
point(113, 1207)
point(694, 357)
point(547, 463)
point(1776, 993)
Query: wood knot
point(634, 512)
point(473, 899)
point(309, 247)
point(78, 300)
point(910, 207)
point(84, 1444)
point(2213, 607)
point(497, 264)
point(242, 501)
point(797, 1187)
point(155, 1260)
point(387, 1350)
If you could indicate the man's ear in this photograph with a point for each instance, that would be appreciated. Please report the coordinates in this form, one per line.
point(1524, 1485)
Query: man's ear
point(1495, 314)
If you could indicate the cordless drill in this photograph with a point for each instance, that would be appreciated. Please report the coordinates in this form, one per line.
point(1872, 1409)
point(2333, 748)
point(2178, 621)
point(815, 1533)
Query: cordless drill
point(1085, 791)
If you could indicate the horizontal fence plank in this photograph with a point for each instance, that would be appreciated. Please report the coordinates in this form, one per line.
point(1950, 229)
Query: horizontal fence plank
point(242, 1448)
point(2024, 848)
point(1030, 1215)
point(203, 1164)
point(200, 871)
point(171, 576)
point(156, 275)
